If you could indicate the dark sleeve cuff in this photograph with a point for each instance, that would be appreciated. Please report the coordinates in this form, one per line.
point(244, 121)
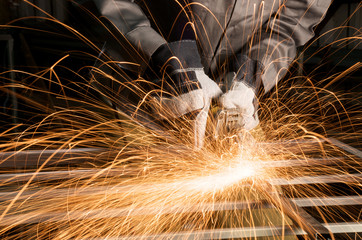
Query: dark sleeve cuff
point(176, 56)
point(247, 71)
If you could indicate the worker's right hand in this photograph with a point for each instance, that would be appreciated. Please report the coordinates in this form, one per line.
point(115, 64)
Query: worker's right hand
point(241, 96)
point(183, 85)
point(241, 104)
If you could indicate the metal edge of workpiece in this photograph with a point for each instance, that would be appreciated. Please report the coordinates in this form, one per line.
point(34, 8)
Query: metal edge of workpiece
point(252, 232)
point(85, 173)
point(147, 187)
point(345, 147)
point(203, 207)
point(30, 158)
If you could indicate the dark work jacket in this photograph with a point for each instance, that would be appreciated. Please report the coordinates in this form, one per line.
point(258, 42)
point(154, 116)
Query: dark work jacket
point(268, 31)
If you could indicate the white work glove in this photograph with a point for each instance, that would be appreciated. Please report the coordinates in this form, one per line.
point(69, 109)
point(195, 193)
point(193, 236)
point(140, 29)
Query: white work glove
point(197, 99)
point(184, 86)
point(197, 94)
point(241, 96)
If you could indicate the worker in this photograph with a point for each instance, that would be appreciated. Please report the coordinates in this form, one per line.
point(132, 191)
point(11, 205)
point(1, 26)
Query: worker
point(192, 44)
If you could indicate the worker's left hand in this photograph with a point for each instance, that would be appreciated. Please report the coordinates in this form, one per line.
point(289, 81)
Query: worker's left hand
point(183, 85)
point(241, 96)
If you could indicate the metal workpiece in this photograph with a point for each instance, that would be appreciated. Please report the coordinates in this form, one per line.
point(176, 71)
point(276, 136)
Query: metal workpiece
point(303, 221)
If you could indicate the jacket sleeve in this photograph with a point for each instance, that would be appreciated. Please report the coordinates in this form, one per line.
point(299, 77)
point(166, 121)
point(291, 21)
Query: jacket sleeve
point(132, 23)
point(276, 42)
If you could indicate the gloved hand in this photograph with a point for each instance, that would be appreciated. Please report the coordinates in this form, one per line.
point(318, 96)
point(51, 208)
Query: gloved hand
point(241, 96)
point(183, 83)
point(184, 86)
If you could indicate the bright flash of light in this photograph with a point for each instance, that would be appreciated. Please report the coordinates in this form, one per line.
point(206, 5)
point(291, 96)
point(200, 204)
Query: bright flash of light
point(229, 176)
